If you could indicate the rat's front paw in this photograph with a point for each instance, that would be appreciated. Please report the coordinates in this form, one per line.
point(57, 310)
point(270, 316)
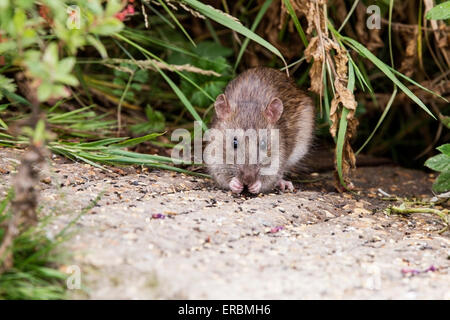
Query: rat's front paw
point(285, 185)
point(255, 187)
point(236, 186)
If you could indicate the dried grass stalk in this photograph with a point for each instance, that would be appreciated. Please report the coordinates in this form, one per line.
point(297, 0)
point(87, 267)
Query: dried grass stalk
point(151, 63)
point(325, 50)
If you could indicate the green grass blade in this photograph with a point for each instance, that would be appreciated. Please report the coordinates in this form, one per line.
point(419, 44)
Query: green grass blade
point(343, 127)
point(297, 24)
point(352, 9)
point(164, 19)
point(229, 22)
point(383, 115)
point(387, 71)
point(174, 87)
point(359, 75)
point(172, 16)
point(135, 141)
point(255, 24)
point(418, 84)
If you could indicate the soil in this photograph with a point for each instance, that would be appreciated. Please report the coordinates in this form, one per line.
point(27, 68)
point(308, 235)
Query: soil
point(161, 235)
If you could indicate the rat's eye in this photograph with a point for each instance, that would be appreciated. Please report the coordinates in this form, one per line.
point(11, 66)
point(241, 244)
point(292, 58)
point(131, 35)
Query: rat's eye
point(263, 145)
point(235, 143)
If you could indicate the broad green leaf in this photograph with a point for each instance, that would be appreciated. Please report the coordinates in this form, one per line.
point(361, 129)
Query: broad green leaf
point(445, 149)
point(211, 49)
point(67, 79)
point(442, 183)
point(7, 46)
point(39, 132)
point(445, 121)
point(51, 54)
point(6, 84)
point(112, 7)
point(44, 91)
point(19, 20)
point(439, 12)
point(440, 163)
point(66, 65)
point(155, 122)
point(107, 27)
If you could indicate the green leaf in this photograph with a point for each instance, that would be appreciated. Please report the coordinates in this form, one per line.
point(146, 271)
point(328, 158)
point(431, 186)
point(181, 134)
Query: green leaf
point(442, 183)
point(44, 91)
point(51, 54)
point(7, 84)
point(97, 44)
point(445, 121)
point(211, 49)
point(439, 12)
point(207, 87)
point(7, 46)
point(67, 79)
point(155, 122)
point(107, 27)
point(445, 149)
point(440, 163)
point(66, 65)
point(39, 132)
point(19, 20)
point(112, 7)
point(141, 76)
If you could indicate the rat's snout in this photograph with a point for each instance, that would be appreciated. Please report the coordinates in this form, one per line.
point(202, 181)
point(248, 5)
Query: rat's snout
point(248, 175)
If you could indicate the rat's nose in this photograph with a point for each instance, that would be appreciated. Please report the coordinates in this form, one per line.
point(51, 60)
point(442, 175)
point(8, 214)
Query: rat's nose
point(249, 175)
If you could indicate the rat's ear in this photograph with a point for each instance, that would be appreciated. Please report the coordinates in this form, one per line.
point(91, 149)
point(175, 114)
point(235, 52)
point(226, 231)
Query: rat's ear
point(222, 106)
point(274, 110)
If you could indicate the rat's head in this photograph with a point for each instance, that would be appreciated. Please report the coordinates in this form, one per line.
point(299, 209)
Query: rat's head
point(249, 143)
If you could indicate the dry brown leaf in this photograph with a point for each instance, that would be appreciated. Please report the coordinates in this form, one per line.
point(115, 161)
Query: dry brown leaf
point(323, 49)
point(409, 59)
point(439, 31)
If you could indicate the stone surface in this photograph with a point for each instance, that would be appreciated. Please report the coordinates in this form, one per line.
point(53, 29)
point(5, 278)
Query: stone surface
point(160, 235)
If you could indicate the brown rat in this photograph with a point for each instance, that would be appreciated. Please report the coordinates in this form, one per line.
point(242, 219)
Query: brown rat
point(261, 98)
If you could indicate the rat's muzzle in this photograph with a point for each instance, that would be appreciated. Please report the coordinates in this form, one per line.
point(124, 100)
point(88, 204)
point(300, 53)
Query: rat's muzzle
point(249, 177)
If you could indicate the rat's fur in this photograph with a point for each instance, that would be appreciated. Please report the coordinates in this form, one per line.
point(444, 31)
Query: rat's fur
point(247, 98)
